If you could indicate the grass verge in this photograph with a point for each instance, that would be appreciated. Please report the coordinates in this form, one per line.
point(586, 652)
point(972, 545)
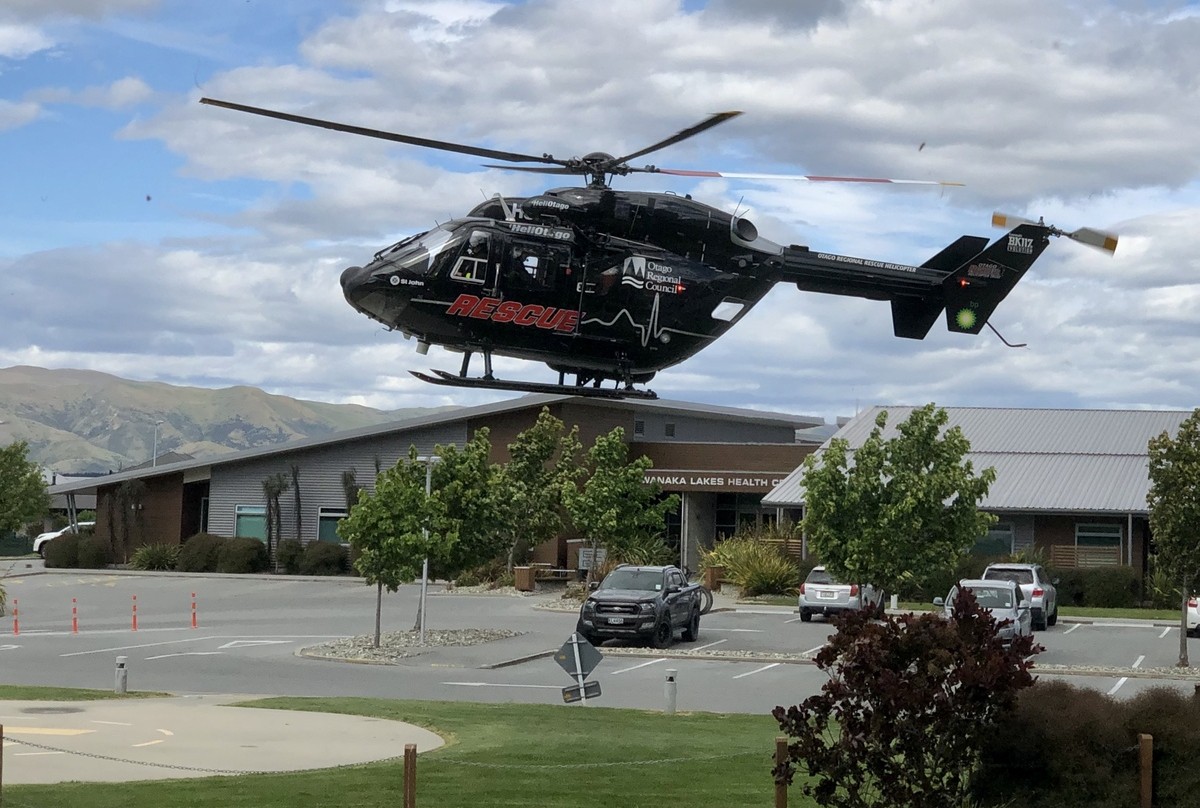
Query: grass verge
point(39, 693)
point(496, 755)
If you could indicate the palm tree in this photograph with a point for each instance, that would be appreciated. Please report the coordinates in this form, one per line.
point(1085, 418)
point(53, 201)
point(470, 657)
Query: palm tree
point(273, 488)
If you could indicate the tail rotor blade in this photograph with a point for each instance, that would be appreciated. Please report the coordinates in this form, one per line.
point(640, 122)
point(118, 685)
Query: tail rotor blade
point(1095, 238)
point(1008, 221)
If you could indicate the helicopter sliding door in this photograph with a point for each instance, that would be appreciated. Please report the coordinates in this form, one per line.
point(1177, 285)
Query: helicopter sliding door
point(536, 271)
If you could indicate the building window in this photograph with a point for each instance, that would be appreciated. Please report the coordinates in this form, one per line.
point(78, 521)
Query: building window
point(997, 541)
point(669, 430)
point(250, 521)
point(1097, 545)
point(639, 426)
point(327, 522)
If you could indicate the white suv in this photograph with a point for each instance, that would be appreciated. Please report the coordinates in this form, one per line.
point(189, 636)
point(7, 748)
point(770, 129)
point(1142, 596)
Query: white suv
point(1036, 584)
point(42, 539)
point(1193, 617)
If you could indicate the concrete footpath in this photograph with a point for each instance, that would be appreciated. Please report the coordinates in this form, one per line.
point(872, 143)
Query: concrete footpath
point(186, 736)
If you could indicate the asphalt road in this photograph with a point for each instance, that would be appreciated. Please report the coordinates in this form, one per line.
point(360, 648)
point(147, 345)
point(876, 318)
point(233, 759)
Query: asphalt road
point(250, 631)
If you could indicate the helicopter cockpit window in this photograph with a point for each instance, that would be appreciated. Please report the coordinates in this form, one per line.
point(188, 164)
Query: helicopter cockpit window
point(471, 266)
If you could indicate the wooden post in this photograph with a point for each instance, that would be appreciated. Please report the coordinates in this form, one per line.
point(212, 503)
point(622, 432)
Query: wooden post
point(1146, 764)
point(1, 766)
point(781, 756)
point(410, 775)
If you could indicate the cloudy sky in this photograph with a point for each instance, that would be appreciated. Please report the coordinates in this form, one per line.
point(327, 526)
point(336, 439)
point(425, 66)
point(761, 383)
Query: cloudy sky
point(148, 236)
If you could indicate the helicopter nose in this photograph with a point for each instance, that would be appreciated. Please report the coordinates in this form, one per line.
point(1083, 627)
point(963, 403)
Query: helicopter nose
point(352, 277)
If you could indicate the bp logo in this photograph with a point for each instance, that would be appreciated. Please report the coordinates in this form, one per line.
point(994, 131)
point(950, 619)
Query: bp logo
point(965, 319)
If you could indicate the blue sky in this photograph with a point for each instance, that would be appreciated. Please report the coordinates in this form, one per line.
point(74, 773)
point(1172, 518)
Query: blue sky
point(151, 237)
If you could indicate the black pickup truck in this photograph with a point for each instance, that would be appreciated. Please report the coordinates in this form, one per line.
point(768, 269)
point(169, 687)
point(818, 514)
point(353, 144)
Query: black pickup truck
point(646, 603)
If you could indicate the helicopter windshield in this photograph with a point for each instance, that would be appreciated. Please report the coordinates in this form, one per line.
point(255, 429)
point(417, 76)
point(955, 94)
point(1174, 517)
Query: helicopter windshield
point(421, 253)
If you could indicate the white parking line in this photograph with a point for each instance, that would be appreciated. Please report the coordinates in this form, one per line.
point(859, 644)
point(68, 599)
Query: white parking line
point(497, 684)
point(710, 645)
point(1072, 628)
point(1165, 632)
point(813, 650)
point(1117, 686)
point(642, 665)
point(793, 620)
point(1137, 663)
point(758, 670)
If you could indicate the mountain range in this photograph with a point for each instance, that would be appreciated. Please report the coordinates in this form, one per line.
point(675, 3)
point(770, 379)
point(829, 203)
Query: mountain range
point(83, 421)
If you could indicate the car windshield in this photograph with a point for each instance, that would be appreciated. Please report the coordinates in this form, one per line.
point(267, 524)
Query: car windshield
point(993, 598)
point(819, 576)
point(641, 580)
point(1016, 576)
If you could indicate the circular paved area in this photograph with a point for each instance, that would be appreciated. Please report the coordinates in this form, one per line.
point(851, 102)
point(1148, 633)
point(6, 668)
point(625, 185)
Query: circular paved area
point(186, 736)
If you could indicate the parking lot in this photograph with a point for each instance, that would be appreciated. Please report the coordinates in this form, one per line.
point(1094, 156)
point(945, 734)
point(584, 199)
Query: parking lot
point(249, 632)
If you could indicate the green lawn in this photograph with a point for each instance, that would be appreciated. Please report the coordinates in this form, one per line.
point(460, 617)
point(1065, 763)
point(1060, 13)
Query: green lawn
point(496, 755)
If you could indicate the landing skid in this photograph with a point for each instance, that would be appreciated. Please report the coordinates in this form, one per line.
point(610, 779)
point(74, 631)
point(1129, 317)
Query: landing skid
point(452, 380)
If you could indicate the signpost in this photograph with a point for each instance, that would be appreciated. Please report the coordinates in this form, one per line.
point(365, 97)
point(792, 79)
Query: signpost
point(579, 658)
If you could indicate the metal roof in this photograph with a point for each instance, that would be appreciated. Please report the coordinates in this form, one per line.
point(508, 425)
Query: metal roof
point(537, 400)
point(1045, 460)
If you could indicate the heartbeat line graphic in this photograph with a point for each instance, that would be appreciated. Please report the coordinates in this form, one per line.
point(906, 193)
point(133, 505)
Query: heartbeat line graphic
point(651, 330)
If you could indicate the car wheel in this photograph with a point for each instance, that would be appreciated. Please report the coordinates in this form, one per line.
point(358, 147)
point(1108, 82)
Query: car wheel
point(1039, 623)
point(663, 634)
point(805, 616)
point(1053, 620)
point(691, 632)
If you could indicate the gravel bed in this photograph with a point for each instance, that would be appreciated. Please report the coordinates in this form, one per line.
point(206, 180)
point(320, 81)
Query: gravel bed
point(484, 589)
point(397, 645)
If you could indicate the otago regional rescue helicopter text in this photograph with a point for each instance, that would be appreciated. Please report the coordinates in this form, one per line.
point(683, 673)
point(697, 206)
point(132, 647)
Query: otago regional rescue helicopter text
point(608, 285)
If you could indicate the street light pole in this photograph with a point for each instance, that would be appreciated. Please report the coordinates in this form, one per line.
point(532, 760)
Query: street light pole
point(154, 460)
point(429, 461)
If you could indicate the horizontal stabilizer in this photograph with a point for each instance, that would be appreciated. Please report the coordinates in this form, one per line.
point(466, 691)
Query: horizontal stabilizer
point(912, 317)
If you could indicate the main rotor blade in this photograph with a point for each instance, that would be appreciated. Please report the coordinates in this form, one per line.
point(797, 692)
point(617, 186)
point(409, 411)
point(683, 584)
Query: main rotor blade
point(536, 170)
point(679, 172)
point(1007, 221)
point(491, 154)
point(684, 134)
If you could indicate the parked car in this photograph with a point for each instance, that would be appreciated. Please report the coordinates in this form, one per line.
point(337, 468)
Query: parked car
point(42, 539)
point(1193, 617)
point(1004, 599)
point(1036, 584)
point(821, 594)
point(641, 603)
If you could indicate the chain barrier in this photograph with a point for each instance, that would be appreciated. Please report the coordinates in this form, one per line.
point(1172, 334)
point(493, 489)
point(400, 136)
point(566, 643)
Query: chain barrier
point(608, 764)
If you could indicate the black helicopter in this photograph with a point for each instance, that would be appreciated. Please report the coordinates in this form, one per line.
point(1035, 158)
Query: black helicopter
point(609, 285)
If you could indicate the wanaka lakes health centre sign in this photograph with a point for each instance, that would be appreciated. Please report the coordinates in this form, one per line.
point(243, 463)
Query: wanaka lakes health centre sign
point(672, 480)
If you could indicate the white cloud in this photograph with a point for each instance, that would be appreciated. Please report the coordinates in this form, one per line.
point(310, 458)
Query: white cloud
point(1087, 115)
point(19, 41)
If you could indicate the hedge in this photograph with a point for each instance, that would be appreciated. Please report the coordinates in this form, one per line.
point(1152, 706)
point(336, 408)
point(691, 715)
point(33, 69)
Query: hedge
point(199, 553)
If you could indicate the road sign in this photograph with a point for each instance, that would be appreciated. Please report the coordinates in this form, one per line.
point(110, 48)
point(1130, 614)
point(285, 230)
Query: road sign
point(574, 693)
point(581, 665)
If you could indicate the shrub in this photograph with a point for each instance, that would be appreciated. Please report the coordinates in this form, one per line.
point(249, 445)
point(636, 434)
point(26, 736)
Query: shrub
point(1066, 745)
point(644, 550)
point(199, 553)
point(1160, 590)
point(1112, 587)
point(63, 552)
point(155, 557)
point(324, 558)
point(468, 578)
point(890, 727)
point(754, 566)
point(242, 555)
point(503, 579)
point(288, 554)
point(94, 552)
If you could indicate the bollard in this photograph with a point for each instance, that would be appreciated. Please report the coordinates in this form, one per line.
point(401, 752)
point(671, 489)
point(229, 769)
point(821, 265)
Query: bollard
point(74, 617)
point(895, 602)
point(193, 610)
point(134, 613)
point(16, 622)
point(122, 676)
point(410, 775)
point(669, 691)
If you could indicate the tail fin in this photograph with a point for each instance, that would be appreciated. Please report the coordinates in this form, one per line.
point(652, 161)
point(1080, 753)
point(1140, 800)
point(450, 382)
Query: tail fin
point(912, 317)
point(974, 290)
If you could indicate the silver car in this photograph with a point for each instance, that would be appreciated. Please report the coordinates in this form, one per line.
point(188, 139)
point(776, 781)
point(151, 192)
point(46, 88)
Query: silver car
point(821, 594)
point(1036, 584)
point(1003, 599)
